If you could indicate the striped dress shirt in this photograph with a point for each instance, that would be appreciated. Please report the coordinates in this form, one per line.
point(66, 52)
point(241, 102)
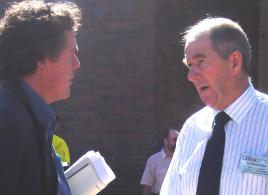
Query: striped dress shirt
point(246, 134)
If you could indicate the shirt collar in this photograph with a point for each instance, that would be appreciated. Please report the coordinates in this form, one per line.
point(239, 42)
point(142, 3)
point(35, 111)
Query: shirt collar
point(163, 154)
point(45, 115)
point(239, 108)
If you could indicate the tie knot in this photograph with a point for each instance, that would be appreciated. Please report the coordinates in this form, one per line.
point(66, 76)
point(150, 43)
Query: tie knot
point(222, 118)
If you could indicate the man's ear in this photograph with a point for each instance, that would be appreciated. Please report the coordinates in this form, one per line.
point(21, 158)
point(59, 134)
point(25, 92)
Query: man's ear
point(42, 65)
point(236, 60)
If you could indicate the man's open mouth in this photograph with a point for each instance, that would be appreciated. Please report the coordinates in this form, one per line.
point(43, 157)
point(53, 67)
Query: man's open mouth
point(204, 88)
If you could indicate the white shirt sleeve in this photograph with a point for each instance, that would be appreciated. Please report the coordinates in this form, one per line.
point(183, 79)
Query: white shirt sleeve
point(149, 173)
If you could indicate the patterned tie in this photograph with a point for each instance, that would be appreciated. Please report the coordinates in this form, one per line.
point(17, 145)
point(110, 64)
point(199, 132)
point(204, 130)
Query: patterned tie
point(210, 171)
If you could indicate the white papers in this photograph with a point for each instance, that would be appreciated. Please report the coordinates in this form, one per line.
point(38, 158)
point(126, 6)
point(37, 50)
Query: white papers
point(89, 174)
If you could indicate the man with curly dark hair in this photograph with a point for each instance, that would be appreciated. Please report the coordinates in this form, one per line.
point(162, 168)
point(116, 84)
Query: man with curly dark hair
point(38, 62)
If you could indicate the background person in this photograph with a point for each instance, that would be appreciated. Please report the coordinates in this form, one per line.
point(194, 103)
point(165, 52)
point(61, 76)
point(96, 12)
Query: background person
point(158, 163)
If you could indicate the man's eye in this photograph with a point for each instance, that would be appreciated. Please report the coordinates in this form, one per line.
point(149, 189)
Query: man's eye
point(200, 62)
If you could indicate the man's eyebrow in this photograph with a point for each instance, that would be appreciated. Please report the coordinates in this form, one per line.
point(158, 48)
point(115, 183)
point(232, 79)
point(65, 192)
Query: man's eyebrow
point(199, 55)
point(196, 56)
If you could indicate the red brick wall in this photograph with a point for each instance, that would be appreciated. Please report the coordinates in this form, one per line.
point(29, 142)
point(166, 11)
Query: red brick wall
point(111, 108)
point(132, 84)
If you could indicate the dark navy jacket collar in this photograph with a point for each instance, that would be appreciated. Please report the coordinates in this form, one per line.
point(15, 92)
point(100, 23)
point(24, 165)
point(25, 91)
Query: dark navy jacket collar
point(44, 114)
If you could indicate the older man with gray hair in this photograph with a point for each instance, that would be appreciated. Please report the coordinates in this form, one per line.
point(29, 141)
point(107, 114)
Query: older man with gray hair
point(223, 148)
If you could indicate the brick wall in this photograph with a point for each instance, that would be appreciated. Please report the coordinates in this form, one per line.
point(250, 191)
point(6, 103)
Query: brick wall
point(111, 107)
point(132, 84)
point(263, 60)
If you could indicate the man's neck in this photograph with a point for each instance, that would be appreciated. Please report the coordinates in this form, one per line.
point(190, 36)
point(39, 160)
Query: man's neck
point(36, 86)
point(168, 152)
point(236, 90)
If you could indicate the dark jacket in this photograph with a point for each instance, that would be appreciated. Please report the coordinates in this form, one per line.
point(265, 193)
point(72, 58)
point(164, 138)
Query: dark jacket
point(27, 166)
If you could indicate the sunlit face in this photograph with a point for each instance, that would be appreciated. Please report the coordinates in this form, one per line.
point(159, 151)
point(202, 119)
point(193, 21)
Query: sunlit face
point(61, 72)
point(209, 73)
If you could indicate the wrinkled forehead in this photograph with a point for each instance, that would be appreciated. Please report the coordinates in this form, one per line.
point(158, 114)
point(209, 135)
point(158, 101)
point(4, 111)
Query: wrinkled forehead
point(196, 38)
point(196, 48)
point(197, 45)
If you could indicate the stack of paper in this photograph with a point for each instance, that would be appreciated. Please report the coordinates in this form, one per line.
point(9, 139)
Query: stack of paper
point(89, 175)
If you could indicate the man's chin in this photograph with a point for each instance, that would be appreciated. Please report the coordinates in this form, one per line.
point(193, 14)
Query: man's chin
point(67, 95)
point(206, 100)
point(64, 96)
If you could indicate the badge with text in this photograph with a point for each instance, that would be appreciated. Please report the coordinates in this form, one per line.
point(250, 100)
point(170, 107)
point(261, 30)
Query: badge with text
point(254, 164)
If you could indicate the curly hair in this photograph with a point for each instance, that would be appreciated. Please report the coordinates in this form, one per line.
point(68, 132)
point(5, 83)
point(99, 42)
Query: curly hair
point(31, 31)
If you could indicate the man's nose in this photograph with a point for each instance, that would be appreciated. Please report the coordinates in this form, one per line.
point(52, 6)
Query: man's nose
point(193, 74)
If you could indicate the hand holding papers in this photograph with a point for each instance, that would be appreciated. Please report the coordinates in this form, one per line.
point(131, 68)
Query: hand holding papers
point(89, 175)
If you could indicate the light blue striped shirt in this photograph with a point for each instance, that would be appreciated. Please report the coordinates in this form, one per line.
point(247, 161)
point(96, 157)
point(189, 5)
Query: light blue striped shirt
point(246, 133)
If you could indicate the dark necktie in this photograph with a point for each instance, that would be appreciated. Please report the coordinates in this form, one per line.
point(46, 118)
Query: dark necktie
point(210, 171)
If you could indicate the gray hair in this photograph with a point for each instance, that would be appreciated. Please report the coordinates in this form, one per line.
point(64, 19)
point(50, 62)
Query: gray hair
point(226, 37)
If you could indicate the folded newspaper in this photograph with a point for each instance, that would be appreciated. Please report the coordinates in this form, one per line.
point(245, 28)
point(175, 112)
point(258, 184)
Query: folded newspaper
point(89, 175)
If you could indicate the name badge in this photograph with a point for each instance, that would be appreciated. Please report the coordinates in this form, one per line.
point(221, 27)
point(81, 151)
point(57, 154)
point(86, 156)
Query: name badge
point(253, 164)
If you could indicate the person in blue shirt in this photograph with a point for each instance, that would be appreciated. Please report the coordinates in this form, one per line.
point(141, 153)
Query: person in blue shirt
point(38, 62)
